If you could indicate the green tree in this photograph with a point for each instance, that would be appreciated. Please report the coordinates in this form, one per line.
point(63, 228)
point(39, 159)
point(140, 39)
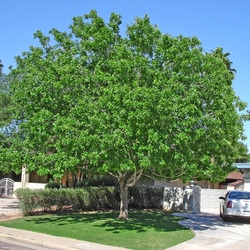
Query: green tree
point(1, 67)
point(5, 100)
point(147, 103)
point(248, 115)
point(7, 124)
point(225, 59)
point(243, 154)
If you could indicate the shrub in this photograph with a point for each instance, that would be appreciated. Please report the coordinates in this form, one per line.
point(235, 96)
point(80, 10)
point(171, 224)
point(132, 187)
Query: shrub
point(61, 197)
point(146, 197)
point(88, 198)
point(46, 198)
point(28, 199)
point(51, 184)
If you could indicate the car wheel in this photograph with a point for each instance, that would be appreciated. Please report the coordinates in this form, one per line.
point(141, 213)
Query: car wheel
point(224, 218)
point(221, 215)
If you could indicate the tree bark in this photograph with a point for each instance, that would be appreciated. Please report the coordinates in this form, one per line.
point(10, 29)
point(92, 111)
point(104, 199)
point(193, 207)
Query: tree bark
point(124, 201)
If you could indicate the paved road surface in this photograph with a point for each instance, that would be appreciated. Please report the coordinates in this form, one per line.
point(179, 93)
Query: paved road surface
point(6, 244)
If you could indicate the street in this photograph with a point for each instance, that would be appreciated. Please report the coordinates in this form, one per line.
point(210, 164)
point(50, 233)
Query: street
point(8, 244)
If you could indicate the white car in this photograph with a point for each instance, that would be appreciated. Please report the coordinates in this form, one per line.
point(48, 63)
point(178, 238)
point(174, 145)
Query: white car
point(235, 204)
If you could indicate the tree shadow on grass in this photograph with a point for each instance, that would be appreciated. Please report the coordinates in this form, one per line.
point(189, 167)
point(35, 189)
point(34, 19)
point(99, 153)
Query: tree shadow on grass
point(144, 221)
point(140, 221)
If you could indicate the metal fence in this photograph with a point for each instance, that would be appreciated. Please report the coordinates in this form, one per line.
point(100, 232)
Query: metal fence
point(6, 187)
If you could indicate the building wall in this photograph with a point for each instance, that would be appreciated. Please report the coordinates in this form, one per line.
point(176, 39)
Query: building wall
point(210, 202)
point(179, 183)
point(192, 199)
point(30, 185)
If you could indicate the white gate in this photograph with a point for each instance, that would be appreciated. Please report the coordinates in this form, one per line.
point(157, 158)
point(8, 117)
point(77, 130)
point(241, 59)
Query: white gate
point(6, 187)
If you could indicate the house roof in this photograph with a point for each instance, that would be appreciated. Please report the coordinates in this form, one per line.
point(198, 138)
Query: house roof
point(242, 165)
point(236, 183)
point(235, 176)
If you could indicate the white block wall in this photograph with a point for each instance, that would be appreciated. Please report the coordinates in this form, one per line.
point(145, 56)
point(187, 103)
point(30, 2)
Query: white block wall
point(210, 202)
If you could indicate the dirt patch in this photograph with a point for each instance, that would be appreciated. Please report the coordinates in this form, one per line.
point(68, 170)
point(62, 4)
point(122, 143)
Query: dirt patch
point(10, 216)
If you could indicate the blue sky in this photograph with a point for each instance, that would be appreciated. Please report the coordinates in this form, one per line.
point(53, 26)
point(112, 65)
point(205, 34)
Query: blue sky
point(217, 23)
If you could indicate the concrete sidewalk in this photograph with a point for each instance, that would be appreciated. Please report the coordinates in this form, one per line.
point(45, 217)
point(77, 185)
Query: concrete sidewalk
point(51, 242)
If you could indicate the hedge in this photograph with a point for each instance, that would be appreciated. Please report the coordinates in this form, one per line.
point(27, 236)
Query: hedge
point(87, 198)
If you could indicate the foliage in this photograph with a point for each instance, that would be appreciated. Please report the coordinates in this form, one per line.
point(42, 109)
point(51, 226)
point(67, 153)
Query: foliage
point(248, 115)
point(84, 199)
point(225, 58)
point(147, 103)
point(8, 126)
point(146, 197)
point(244, 155)
point(87, 198)
point(28, 199)
point(5, 100)
point(146, 230)
point(52, 184)
point(96, 181)
point(1, 67)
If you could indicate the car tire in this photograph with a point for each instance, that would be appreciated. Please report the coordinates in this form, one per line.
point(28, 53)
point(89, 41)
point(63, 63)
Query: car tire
point(221, 215)
point(225, 219)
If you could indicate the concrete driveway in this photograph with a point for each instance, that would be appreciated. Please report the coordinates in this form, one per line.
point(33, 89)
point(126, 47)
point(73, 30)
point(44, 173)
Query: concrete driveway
point(212, 233)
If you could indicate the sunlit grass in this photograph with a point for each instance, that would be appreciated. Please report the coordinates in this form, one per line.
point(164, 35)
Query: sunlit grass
point(145, 230)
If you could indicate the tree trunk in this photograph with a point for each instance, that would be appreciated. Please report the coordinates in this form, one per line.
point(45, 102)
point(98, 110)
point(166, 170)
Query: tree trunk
point(124, 201)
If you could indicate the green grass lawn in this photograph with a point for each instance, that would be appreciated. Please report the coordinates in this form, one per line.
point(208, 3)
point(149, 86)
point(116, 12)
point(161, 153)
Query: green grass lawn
point(145, 230)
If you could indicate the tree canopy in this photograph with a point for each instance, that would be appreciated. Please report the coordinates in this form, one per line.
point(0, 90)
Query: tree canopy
point(146, 103)
point(5, 100)
point(7, 125)
point(243, 153)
